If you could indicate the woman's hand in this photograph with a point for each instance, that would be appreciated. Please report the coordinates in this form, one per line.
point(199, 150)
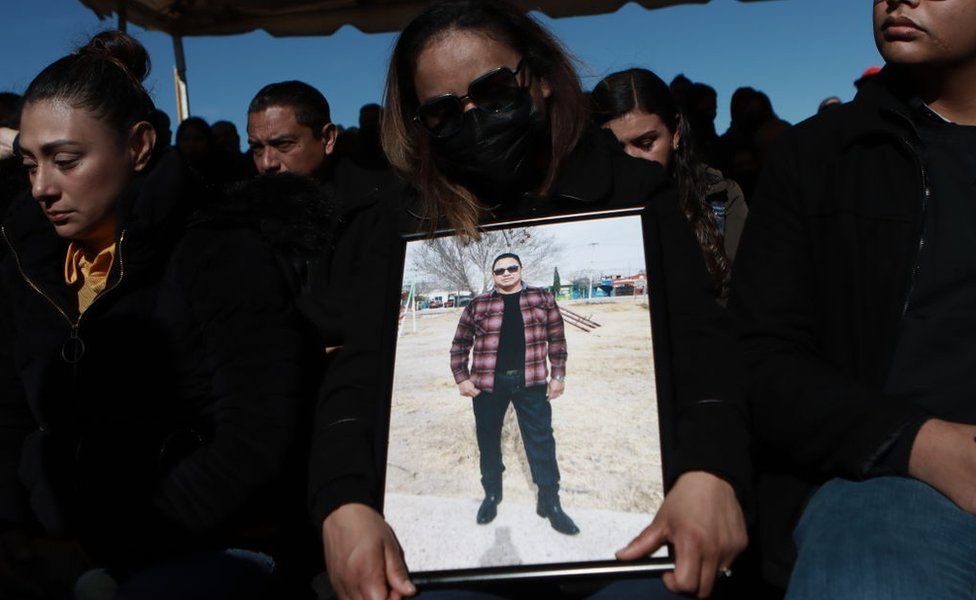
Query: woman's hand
point(362, 556)
point(702, 519)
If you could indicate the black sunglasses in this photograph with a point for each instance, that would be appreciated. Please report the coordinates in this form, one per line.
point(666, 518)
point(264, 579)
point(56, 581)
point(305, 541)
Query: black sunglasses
point(509, 268)
point(493, 91)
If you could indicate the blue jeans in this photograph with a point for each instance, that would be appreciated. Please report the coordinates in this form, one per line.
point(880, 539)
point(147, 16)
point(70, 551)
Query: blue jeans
point(886, 538)
point(232, 574)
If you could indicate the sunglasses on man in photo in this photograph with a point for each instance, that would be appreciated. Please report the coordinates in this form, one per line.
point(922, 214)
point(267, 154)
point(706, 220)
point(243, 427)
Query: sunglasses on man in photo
point(494, 91)
point(510, 269)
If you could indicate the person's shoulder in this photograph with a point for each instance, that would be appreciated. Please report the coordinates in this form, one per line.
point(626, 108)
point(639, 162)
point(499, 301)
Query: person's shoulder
point(538, 292)
point(224, 257)
point(600, 174)
point(829, 131)
point(355, 183)
point(214, 244)
point(290, 212)
point(393, 206)
point(826, 126)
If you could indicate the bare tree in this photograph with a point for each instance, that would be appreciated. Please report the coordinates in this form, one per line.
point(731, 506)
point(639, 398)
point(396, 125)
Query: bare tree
point(444, 261)
point(466, 265)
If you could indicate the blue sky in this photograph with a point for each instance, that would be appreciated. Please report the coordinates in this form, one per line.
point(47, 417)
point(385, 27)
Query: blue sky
point(797, 52)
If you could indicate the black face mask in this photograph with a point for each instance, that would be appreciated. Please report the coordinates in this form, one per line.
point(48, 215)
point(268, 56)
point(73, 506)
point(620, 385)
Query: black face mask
point(494, 152)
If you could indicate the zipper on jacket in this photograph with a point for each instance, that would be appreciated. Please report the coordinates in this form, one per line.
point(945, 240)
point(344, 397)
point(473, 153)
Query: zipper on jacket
point(30, 282)
point(926, 195)
point(73, 349)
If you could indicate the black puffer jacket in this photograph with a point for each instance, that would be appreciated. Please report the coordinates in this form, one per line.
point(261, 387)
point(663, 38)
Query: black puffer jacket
point(182, 404)
point(361, 301)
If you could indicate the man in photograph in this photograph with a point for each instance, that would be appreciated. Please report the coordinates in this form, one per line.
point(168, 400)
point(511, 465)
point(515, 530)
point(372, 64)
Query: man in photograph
point(512, 329)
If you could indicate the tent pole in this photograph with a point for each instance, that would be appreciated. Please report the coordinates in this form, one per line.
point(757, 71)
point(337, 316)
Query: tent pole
point(123, 13)
point(179, 77)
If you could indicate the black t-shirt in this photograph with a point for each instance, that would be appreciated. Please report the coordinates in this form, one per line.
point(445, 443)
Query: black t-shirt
point(511, 342)
point(935, 358)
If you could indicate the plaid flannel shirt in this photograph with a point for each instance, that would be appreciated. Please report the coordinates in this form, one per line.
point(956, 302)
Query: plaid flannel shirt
point(481, 325)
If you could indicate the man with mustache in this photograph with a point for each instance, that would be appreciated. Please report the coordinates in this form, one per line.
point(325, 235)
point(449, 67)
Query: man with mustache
point(856, 294)
point(290, 129)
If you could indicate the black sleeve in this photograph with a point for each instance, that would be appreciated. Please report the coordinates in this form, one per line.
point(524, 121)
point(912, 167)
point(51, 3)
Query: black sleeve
point(16, 422)
point(894, 461)
point(253, 349)
point(710, 418)
point(359, 302)
point(817, 417)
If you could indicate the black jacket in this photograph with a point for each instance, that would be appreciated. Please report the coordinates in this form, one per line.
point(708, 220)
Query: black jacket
point(823, 274)
point(361, 305)
point(182, 406)
point(13, 180)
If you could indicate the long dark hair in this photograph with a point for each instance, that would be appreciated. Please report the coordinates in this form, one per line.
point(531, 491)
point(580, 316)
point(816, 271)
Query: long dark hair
point(406, 144)
point(104, 77)
point(642, 90)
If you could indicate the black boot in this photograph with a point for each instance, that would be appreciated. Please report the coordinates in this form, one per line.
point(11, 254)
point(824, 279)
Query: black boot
point(489, 507)
point(548, 507)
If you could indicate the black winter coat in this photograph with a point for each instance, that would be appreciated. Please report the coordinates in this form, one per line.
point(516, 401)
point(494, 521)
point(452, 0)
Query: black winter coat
point(359, 306)
point(151, 423)
point(823, 273)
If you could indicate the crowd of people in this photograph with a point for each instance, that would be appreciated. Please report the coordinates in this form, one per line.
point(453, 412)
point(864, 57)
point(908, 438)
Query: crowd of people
point(191, 396)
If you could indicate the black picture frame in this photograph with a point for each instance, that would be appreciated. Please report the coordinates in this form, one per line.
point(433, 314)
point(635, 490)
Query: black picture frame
point(664, 403)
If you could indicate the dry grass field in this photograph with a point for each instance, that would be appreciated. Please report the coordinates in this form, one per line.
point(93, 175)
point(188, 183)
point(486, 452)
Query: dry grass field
point(605, 425)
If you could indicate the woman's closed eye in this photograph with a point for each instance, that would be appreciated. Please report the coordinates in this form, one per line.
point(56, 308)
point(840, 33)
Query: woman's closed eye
point(66, 162)
point(645, 143)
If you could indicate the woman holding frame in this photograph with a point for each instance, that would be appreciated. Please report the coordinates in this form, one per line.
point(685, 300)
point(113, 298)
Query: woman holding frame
point(486, 119)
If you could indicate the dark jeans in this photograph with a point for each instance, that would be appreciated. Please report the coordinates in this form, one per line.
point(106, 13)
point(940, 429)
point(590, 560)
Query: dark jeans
point(535, 422)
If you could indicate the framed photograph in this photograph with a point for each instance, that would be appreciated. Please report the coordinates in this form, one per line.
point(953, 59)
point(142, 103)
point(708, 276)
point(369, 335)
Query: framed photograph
point(528, 391)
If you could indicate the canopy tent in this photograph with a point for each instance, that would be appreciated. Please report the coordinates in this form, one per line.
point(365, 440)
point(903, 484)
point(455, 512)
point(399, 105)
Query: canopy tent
point(181, 18)
point(313, 17)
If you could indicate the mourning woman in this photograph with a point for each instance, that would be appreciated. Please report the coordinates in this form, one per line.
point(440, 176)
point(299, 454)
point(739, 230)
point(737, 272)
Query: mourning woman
point(486, 120)
point(640, 110)
point(153, 393)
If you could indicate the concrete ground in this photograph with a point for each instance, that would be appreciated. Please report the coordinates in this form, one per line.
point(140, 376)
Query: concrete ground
point(440, 533)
